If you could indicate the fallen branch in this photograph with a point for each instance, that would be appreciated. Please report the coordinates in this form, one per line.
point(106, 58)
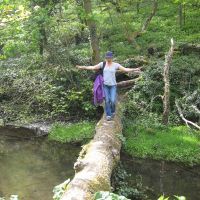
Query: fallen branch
point(127, 83)
point(96, 161)
point(197, 111)
point(183, 118)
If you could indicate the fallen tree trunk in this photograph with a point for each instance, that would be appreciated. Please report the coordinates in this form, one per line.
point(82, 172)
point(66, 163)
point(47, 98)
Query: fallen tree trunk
point(127, 83)
point(96, 161)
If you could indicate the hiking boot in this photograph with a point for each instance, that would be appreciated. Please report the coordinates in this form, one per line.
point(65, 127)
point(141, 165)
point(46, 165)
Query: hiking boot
point(108, 118)
point(113, 115)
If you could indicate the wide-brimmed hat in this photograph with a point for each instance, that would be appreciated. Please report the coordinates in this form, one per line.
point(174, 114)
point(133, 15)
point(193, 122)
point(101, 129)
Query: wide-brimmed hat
point(109, 54)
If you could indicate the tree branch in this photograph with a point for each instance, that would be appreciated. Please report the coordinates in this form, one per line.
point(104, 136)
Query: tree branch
point(183, 118)
point(153, 12)
point(127, 83)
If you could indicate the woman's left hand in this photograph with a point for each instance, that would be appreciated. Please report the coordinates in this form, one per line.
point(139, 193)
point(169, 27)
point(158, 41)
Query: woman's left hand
point(135, 71)
point(138, 69)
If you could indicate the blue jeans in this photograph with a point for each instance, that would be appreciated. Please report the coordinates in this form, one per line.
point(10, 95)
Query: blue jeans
point(110, 99)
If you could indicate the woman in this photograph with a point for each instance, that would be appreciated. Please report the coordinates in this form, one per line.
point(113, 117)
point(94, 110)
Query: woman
point(110, 85)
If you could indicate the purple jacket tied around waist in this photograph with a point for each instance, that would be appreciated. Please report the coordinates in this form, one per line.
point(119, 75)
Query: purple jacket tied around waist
point(98, 90)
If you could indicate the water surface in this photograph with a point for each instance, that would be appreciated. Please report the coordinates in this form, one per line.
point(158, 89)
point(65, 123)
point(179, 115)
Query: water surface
point(164, 177)
point(31, 168)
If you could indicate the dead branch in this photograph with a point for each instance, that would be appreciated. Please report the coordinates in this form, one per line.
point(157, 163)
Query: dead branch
point(183, 118)
point(166, 96)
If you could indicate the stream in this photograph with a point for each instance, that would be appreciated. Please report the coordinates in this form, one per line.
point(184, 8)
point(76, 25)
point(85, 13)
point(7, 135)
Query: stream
point(161, 177)
point(30, 167)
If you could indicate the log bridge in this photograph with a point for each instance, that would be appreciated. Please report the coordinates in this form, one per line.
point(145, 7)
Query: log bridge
point(97, 159)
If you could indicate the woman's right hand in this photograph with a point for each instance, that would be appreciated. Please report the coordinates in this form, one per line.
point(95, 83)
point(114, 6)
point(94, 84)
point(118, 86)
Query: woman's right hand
point(79, 67)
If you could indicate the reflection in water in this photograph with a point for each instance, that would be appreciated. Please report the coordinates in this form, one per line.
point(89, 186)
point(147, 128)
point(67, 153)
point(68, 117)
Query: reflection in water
point(161, 177)
point(31, 168)
point(164, 177)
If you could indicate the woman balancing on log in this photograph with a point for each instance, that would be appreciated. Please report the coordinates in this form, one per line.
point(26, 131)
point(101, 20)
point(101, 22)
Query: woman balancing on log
point(105, 82)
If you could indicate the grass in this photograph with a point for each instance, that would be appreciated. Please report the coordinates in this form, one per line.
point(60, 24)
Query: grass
point(176, 143)
point(73, 132)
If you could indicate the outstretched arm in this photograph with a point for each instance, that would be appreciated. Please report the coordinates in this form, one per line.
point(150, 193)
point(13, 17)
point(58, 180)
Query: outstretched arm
point(95, 67)
point(124, 69)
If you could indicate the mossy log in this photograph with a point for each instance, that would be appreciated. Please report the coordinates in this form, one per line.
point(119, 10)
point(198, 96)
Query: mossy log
point(96, 161)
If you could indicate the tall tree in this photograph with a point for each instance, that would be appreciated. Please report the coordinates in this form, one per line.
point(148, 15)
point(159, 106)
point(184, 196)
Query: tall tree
point(47, 7)
point(180, 15)
point(94, 41)
point(145, 25)
point(149, 18)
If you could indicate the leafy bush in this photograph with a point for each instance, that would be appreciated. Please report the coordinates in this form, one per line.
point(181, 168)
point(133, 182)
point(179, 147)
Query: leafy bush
point(38, 89)
point(120, 184)
point(59, 190)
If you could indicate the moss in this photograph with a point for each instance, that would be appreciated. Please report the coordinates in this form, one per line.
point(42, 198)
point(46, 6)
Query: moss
point(100, 182)
point(75, 132)
point(176, 143)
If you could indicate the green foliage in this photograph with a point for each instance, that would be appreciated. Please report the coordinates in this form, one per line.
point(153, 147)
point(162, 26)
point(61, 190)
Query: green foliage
point(189, 105)
point(12, 197)
point(180, 197)
point(121, 186)
point(146, 95)
point(60, 189)
point(103, 195)
point(74, 132)
point(176, 197)
point(148, 138)
point(57, 90)
point(31, 87)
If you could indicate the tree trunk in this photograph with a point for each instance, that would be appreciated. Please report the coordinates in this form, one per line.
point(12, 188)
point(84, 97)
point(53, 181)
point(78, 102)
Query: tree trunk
point(79, 37)
point(184, 14)
point(153, 12)
point(180, 15)
point(96, 161)
point(138, 6)
point(136, 34)
point(43, 39)
point(166, 96)
point(94, 41)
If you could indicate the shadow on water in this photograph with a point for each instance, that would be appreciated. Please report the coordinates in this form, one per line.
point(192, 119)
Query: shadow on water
point(30, 167)
point(164, 177)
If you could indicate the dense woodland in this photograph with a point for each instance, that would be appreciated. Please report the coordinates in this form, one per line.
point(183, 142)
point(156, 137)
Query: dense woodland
point(41, 42)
